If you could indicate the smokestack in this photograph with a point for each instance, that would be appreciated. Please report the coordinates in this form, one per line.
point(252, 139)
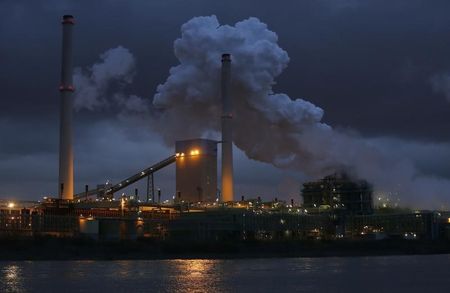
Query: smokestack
point(227, 131)
point(65, 135)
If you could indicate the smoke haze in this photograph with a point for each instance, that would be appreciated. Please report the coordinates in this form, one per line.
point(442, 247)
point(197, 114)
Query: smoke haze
point(287, 132)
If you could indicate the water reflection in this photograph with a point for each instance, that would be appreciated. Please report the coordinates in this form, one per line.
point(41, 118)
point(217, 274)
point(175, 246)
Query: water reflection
point(12, 279)
point(195, 275)
point(366, 274)
point(125, 269)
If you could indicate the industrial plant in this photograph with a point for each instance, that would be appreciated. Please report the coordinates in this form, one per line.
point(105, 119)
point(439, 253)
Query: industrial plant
point(204, 206)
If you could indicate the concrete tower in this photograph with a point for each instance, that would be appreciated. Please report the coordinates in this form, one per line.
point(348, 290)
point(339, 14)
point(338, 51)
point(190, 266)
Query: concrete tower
point(196, 170)
point(227, 131)
point(66, 89)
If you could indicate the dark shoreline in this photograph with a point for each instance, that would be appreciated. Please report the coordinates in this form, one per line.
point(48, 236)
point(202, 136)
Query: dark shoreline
point(49, 248)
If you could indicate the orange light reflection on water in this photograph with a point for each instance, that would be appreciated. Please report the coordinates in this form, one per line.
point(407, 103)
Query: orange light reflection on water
point(12, 278)
point(195, 275)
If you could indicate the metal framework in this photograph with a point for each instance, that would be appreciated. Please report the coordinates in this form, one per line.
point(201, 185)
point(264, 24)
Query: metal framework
point(148, 172)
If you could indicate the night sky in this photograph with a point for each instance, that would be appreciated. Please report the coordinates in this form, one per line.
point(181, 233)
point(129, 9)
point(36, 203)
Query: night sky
point(371, 66)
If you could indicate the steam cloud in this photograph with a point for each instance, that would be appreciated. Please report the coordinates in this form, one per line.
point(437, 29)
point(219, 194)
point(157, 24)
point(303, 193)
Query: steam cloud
point(102, 84)
point(269, 127)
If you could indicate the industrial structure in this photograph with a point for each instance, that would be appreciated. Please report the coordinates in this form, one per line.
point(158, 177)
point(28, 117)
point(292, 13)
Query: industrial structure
point(334, 207)
point(127, 218)
point(196, 162)
point(196, 170)
point(66, 88)
point(338, 193)
point(227, 131)
point(106, 191)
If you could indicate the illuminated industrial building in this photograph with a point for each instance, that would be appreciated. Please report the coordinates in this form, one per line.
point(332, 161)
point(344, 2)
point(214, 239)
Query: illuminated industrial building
point(338, 193)
point(334, 207)
point(196, 170)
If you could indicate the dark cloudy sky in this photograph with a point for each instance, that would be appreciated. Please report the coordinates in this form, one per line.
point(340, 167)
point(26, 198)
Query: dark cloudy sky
point(368, 64)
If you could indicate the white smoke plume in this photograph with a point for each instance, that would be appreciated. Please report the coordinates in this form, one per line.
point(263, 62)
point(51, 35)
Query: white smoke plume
point(272, 127)
point(269, 127)
point(101, 85)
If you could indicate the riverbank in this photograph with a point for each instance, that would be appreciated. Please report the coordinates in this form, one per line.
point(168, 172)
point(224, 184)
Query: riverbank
point(50, 248)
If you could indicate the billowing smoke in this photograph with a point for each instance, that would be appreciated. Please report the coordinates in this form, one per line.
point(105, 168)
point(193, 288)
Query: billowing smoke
point(268, 124)
point(274, 128)
point(101, 85)
point(270, 127)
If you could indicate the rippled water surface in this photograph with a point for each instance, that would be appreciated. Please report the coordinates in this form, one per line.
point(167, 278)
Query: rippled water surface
point(358, 274)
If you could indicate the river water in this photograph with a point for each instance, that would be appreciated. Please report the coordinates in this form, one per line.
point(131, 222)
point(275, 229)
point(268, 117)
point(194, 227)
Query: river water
point(430, 273)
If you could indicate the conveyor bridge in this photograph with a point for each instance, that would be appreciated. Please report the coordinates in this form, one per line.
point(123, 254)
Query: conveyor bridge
point(108, 190)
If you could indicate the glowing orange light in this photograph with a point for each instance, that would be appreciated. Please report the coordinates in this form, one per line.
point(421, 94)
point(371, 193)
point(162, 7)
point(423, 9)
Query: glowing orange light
point(195, 152)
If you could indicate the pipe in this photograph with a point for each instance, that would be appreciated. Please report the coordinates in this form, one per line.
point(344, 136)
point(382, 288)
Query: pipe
point(65, 135)
point(227, 131)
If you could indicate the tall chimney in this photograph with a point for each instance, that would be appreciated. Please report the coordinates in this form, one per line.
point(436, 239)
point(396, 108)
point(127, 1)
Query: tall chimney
point(65, 132)
point(227, 131)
